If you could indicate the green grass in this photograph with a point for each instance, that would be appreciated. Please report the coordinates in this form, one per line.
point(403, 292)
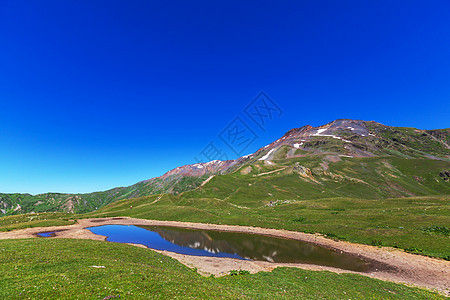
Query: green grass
point(62, 268)
point(35, 220)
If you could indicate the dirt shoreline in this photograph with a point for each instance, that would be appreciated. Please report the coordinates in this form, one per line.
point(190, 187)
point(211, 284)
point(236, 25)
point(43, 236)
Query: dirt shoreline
point(403, 267)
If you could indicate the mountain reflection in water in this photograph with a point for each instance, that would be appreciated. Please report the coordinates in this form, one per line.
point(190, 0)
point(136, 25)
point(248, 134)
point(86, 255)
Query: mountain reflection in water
point(230, 244)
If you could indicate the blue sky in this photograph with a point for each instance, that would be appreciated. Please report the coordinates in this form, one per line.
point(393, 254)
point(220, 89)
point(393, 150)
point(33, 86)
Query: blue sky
point(98, 94)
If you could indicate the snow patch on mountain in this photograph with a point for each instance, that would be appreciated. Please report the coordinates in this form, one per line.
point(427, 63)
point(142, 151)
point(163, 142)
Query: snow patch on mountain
point(319, 131)
point(267, 155)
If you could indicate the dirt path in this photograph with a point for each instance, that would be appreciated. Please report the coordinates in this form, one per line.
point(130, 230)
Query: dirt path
point(207, 180)
point(403, 267)
point(261, 174)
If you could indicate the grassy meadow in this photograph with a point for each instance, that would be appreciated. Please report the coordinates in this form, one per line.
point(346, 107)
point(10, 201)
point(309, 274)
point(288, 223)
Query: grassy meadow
point(85, 269)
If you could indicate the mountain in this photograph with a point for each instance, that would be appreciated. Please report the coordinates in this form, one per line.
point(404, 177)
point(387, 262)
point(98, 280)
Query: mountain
point(313, 153)
point(357, 138)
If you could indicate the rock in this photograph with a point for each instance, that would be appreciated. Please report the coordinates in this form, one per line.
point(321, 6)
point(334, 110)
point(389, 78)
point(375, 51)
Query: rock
point(301, 170)
point(444, 173)
point(246, 170)
point(418, 178)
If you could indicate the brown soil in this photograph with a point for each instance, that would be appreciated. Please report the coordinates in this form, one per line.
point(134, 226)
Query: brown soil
point(395, 265)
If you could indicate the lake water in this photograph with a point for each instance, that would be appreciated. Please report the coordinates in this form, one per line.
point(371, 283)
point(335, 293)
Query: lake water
point(230, 244)
point(47, 234)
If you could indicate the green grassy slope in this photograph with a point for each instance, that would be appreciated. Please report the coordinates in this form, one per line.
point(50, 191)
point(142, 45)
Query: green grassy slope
point(58, 268)
point(410, 141)
point(13, 204)
point(9, 223)
point(376, 177)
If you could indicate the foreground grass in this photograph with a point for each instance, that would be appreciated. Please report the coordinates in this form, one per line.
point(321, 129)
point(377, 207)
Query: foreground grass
point(59, 268)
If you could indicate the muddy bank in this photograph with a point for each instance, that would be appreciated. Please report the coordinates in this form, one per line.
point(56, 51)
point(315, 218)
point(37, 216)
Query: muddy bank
point(395, 265)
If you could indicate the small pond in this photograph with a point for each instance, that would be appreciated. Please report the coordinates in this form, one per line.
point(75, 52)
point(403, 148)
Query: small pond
point(47, 234)
point(230, 244)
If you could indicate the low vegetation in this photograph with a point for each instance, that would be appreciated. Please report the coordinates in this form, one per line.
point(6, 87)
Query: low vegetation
point(35, 220)
point(85, 269)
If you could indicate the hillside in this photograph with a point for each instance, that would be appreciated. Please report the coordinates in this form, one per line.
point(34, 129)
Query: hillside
point(345, 158)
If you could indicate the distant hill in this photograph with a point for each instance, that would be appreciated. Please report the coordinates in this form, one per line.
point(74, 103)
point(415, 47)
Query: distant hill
point(351, 158)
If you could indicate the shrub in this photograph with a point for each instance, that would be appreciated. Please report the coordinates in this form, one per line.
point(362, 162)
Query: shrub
point(331, 235)
point(378, 243)
point(413, 250)
point(334, 236)
point(437, 230)
point(240, 272)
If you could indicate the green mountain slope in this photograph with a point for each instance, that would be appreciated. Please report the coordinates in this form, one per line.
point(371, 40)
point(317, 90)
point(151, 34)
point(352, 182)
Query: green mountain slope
point(11, 204)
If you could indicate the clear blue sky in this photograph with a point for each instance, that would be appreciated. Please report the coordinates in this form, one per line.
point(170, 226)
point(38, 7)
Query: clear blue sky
point(98, 94)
